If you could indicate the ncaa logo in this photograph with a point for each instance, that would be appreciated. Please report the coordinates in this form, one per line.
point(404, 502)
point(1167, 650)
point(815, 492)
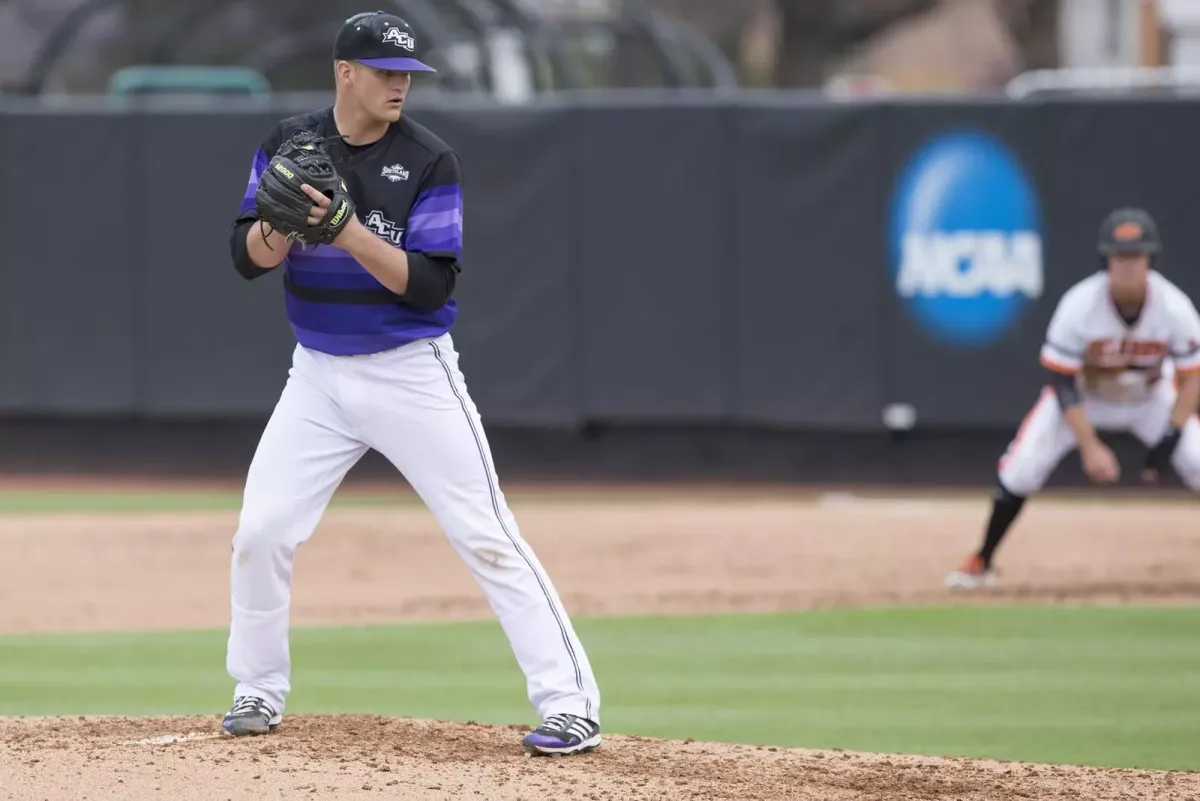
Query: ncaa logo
point(966, 239)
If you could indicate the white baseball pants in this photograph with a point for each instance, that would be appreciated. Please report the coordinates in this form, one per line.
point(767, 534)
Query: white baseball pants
point(1044, 437)
point(410, 404)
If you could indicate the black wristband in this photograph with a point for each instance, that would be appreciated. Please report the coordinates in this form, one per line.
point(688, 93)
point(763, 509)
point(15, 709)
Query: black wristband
point(1160, 455)
point(1065, 390)
point(241, 253)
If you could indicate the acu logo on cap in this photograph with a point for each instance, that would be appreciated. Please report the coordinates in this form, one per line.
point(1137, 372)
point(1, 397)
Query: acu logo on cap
point(400, 38)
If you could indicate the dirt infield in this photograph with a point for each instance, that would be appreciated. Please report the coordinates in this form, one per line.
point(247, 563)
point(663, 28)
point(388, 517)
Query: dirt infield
point(612, 553)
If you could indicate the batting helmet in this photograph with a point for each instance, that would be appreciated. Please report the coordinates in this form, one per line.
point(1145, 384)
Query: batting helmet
point(1129, 230)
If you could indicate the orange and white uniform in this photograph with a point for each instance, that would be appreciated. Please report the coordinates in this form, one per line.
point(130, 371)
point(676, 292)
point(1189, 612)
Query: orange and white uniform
point(1124, 374)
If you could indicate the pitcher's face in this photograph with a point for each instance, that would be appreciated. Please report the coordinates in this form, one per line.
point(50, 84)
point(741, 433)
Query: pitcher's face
point(379, 93)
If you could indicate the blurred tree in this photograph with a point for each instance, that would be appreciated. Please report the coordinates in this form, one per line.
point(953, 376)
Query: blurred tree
point(918, 44)
point(730, 24)
point(807, 41)
point(1035, 25)
point(787, 43)
point(814, 33)
point(230, 31)
point(956, 46)
point(127, 33)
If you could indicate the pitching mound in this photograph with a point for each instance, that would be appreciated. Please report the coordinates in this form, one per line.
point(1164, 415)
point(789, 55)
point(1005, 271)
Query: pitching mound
point(349, 757)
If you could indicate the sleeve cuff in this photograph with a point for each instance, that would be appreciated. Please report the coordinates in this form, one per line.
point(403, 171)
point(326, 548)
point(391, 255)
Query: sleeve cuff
point(1055, 362)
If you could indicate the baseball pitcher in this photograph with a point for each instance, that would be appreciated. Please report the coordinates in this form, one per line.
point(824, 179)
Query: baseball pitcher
point(363, 209)
point(1123, 354)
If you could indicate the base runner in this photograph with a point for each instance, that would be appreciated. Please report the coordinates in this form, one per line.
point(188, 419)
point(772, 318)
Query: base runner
point(1123, 353)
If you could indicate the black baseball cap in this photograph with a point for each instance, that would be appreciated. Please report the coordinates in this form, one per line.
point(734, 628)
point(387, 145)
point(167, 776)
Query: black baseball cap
point(379, 40)
point(1129, 230)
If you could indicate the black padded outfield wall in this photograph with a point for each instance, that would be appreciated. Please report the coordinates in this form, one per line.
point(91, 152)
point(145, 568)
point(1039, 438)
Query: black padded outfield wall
point(759, 261)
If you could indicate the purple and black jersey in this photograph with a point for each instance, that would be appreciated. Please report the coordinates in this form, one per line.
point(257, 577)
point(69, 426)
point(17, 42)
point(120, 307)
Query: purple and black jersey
point(407, 189)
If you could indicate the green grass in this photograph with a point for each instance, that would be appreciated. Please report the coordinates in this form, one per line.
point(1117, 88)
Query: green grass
point(1117, 687)
point(26, 501)
point(134, 500)
point(23, 500)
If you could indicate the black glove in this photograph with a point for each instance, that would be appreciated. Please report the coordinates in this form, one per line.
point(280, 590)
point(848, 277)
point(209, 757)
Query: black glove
point(1159, 457)
point(282, 204)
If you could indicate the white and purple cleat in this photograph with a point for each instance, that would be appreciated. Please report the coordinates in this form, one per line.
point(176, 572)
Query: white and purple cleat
point(250, 715)
point(563, 735)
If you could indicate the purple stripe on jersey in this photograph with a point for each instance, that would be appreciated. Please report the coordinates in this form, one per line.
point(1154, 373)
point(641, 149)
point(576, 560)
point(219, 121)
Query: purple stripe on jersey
point(437, 205)
point(435, 219)
point(256, 170)
point(363, 344)
point(260, 163)
point(436, 201)
point(324, 259)
point(344, 330)
point(326, 279)
point(435, 222)
point(318, 252)
point(452, 191)
point(438, 240)
point(382, 318)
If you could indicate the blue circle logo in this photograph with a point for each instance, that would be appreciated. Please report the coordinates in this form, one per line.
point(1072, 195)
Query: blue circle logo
point(966, 239)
